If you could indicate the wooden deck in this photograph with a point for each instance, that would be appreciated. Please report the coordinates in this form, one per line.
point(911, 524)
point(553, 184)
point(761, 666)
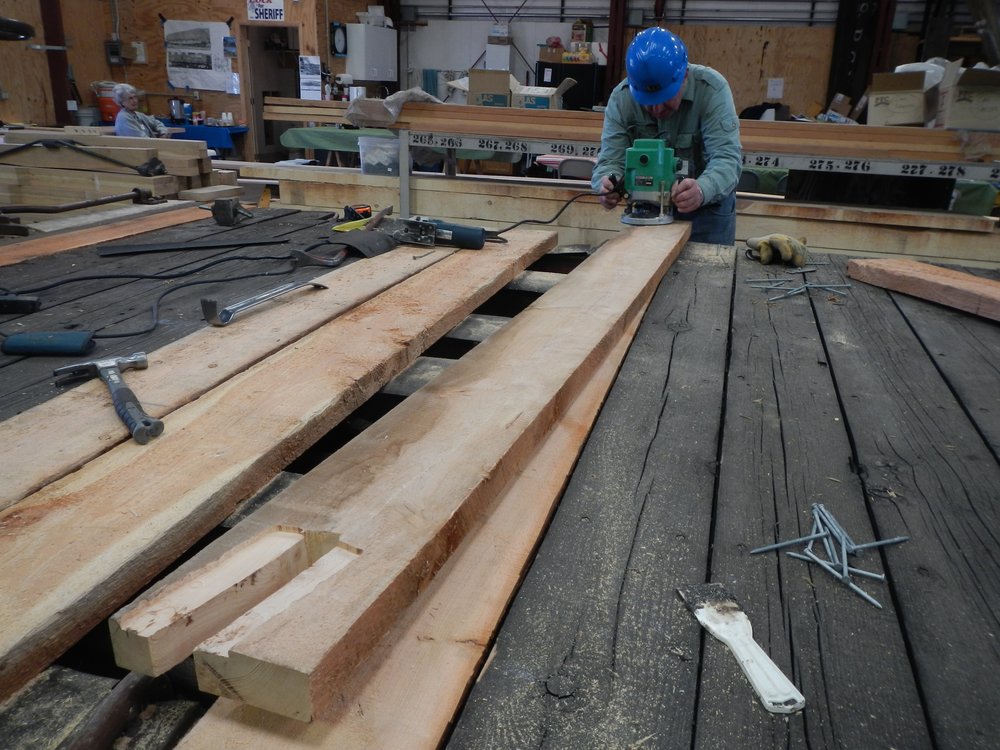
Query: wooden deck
point(730, 416)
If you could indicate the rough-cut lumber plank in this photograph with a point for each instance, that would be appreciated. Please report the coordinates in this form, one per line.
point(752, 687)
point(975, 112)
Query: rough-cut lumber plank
point(175, 146)
point(40, 157)
point(761, 137)
point(407, 490)
point(101, 183)
point(407, 692)
point(166, 214)
point(945, 286)
point(862, 215)
point(123, 517)
point(493, 202)
point(161, 633)
point(210, 193)
point(597, 627)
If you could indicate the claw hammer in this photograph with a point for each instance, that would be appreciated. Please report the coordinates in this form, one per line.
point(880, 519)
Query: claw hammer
point(142, 426)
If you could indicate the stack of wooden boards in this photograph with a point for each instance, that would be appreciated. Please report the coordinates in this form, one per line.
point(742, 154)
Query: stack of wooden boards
point(925, 235)
point(320, 577)
point(801, 138)
point(58, 175)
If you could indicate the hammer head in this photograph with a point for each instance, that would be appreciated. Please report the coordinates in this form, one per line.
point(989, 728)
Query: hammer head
point(91, 369)
point(228, 211)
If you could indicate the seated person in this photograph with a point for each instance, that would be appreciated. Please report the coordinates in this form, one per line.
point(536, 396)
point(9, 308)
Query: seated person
point(132, 122)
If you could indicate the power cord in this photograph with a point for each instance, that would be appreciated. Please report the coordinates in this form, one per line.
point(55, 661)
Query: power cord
point(558, 213)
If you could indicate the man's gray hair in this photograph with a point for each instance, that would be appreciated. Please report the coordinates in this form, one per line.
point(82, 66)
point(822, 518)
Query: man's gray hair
point(121, 90)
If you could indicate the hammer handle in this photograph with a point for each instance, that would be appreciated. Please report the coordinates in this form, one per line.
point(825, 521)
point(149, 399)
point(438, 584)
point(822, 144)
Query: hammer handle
point(142, 426)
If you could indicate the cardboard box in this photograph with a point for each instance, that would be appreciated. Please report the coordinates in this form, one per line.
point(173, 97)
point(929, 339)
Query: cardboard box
point(541, 97)
point(970, 99)
point(498, 88)
point(486, 88)
point(901, 99)
point(550, 54)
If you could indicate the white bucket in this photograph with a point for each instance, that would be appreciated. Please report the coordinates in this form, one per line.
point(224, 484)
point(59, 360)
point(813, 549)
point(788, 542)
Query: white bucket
point(88, 116)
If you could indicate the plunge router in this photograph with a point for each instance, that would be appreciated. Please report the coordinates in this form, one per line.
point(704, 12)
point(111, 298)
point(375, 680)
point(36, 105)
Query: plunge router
point(650, 171)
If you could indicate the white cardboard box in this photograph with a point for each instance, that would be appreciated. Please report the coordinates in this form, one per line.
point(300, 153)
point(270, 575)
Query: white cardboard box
point(970, 99)
point(541, 97)
point(486, 90)
point(901, 99)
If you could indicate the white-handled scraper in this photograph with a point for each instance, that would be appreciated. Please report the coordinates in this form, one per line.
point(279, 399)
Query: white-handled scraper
point(721, 615)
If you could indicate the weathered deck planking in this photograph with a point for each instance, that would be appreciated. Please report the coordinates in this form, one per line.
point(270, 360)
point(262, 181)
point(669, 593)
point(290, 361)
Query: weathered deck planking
point(928, 474)
point(882, 408)
point(784, 448)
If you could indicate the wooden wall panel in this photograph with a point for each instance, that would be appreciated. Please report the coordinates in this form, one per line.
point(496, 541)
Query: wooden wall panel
point(24, 72)
point(749, 55)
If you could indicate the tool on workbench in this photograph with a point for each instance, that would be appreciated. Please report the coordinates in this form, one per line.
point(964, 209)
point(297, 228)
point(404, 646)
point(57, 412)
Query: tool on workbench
point(215, 316)
point(421, 230)
point(650, 172)
point(227, 212)
point(775, 248)
point(721, 615)
point(457, 235)
point(142, 426)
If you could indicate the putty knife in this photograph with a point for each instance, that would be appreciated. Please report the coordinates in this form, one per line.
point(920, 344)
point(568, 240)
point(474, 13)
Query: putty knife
point(721, 615)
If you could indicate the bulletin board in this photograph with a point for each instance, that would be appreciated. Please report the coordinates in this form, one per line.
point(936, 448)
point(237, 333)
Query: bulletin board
point(196, 55)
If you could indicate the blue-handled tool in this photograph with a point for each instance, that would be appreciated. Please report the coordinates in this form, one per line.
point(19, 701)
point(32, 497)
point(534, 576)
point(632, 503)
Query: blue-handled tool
point(458, 235)
point(142, 427)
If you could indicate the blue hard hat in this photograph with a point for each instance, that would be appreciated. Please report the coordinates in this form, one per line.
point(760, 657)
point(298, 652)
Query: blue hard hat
point(656, 63)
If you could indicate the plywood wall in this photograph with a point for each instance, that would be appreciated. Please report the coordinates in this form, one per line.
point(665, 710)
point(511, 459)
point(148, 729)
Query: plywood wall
point(24, 72)
point(750, 55)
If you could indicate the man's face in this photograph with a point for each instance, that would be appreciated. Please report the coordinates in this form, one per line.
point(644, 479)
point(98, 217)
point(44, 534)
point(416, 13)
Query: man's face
point(667, 108)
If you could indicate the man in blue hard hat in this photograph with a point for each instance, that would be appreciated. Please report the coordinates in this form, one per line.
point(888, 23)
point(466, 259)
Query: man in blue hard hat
point(691, 108)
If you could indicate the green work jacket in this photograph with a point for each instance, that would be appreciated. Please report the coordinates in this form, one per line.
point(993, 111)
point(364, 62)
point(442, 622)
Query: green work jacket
point(704, 131)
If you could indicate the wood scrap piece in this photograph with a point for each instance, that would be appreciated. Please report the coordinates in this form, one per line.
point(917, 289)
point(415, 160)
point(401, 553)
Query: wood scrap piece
point(124, 516)
point(163, 215)
point(164, 631)
point(211, 192)
point(90, 184)
point(407, 490)
point(946, 286)
point(407, 693)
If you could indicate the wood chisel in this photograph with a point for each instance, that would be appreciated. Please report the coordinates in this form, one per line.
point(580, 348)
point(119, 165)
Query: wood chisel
point(721, 615)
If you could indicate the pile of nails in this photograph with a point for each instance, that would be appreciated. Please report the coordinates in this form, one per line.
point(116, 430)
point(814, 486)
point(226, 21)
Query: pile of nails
point(838, 545)
point(773, 283)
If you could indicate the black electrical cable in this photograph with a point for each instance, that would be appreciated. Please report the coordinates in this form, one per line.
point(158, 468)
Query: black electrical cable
point(152, 276)
point(167, 276)
point(558, 213)
point(155, 310)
